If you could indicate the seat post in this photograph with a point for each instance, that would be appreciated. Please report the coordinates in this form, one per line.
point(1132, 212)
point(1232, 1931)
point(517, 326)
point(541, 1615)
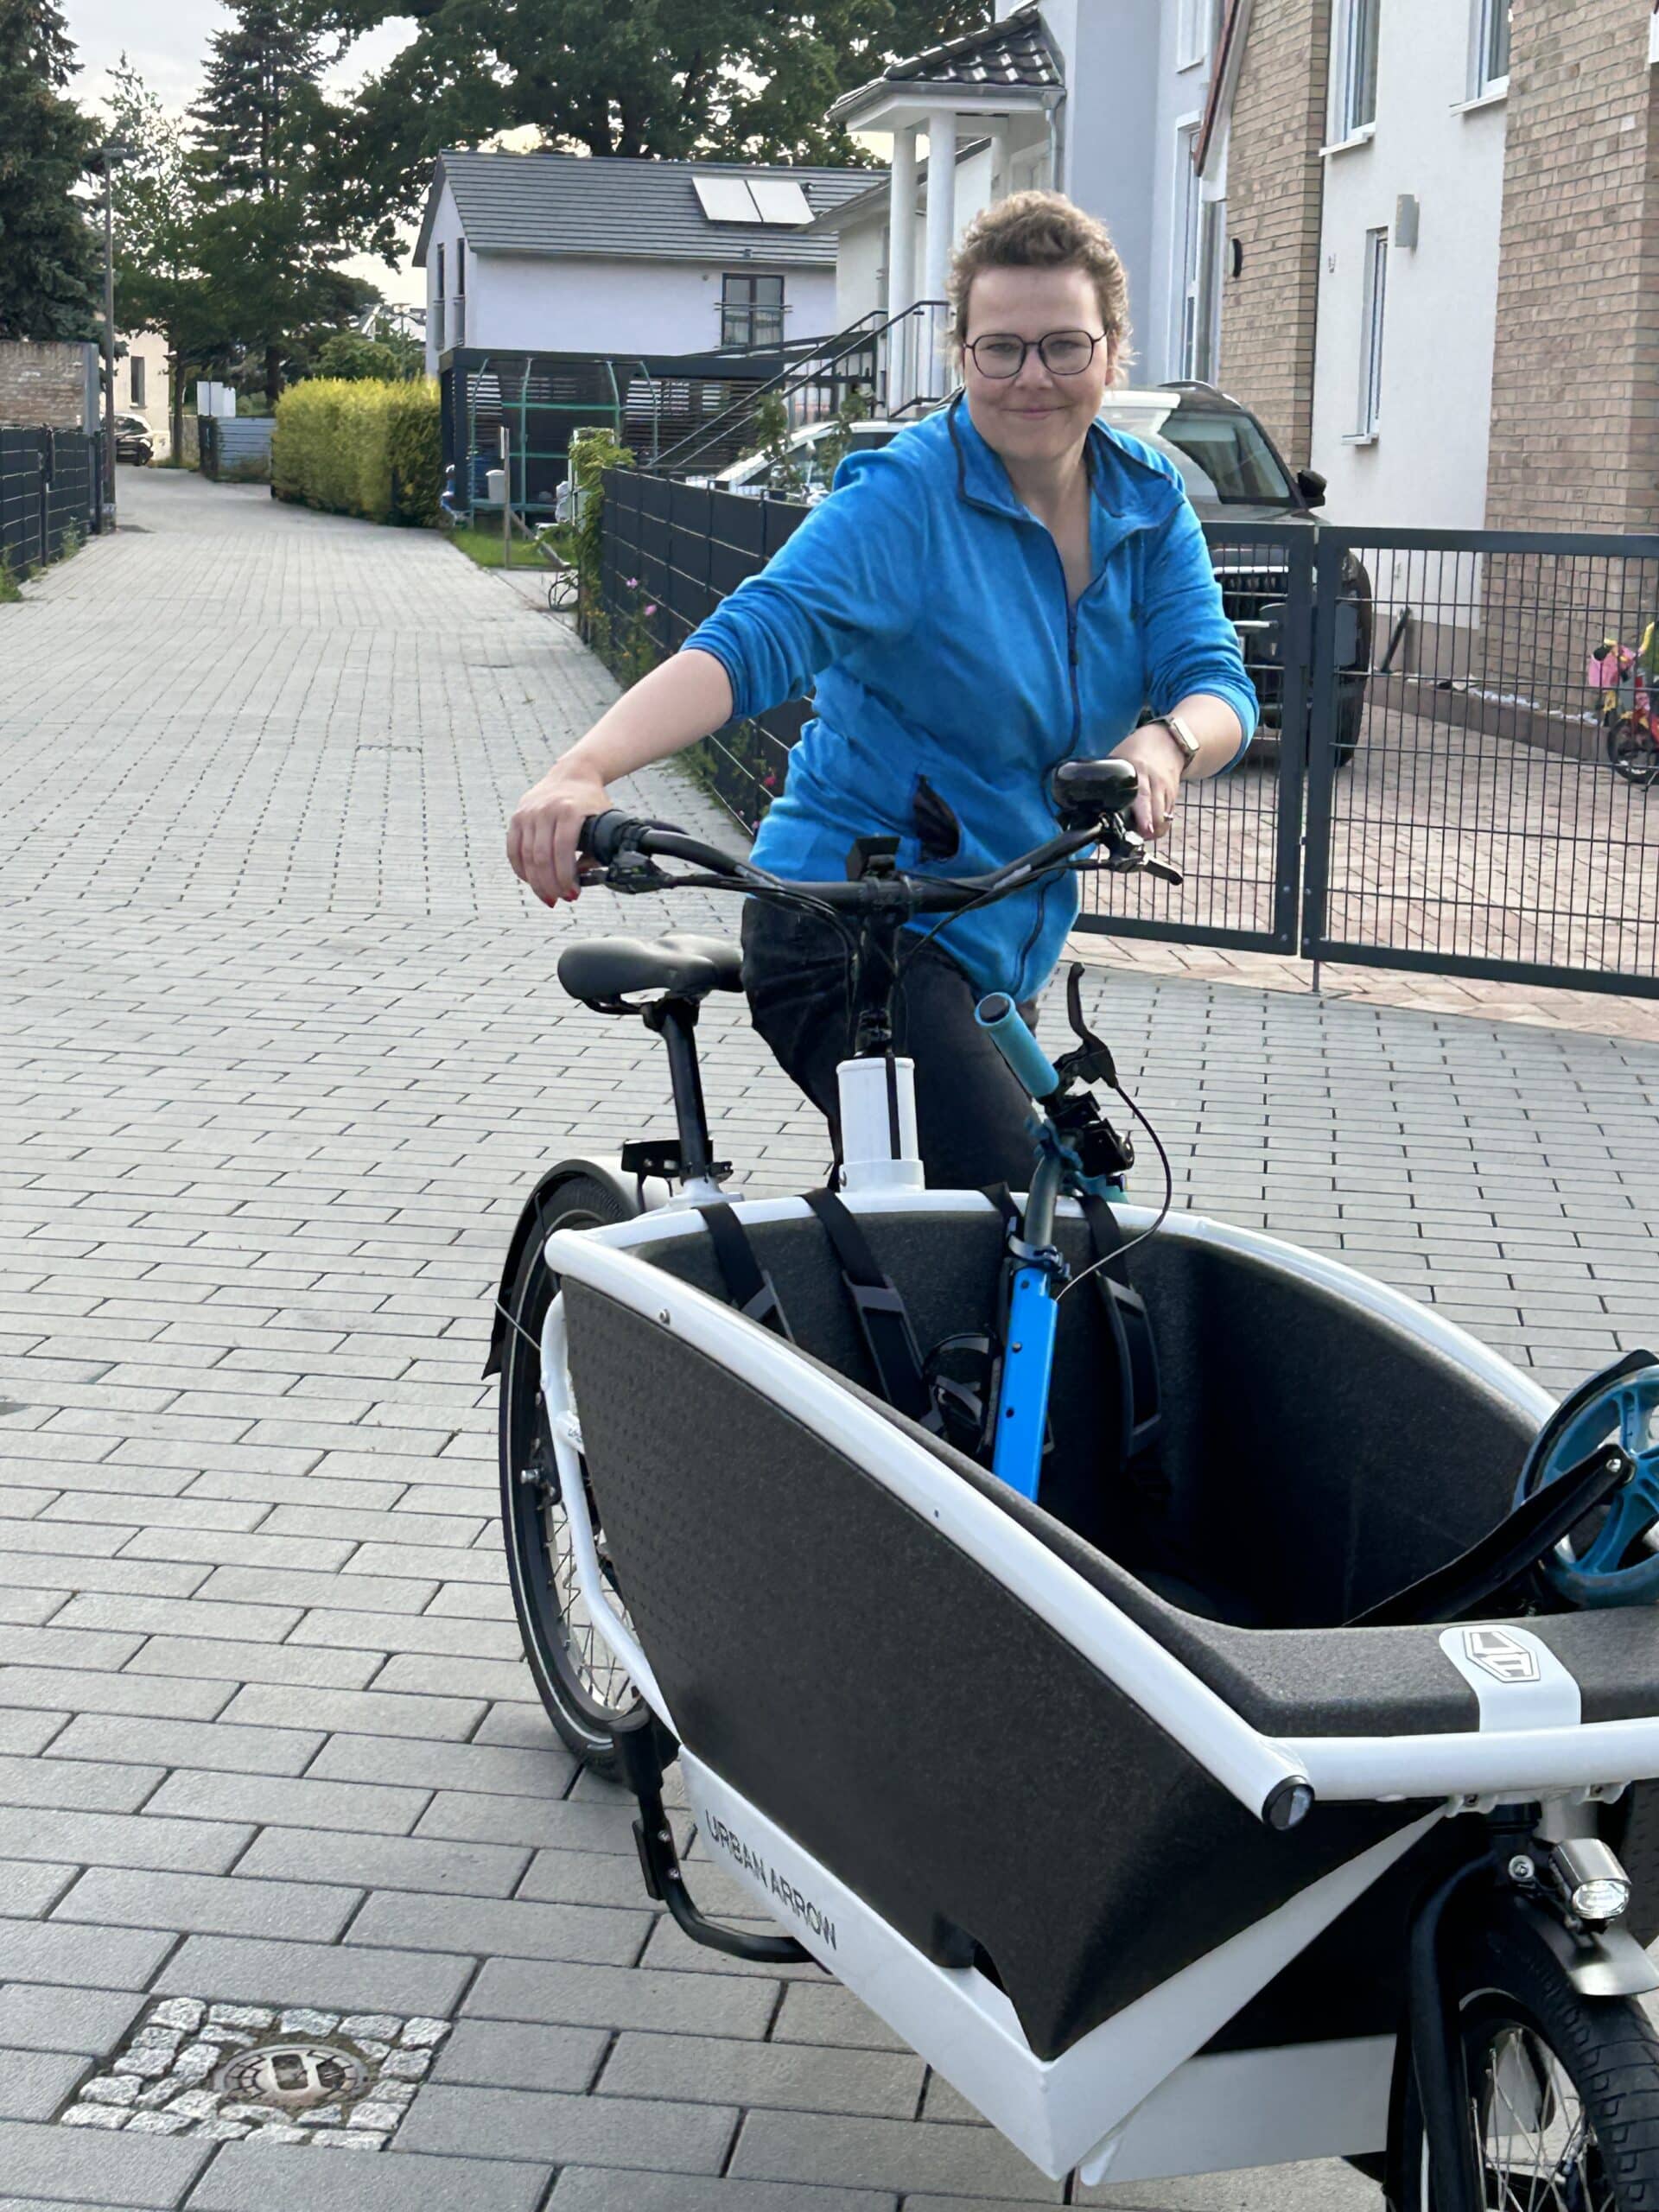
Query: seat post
point(675, 1021)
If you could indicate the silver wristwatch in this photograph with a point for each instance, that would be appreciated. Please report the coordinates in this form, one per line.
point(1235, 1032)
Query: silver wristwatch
point(1183, 737)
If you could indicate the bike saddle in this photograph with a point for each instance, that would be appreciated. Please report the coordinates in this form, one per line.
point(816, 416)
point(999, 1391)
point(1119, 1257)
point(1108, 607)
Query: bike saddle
point(601, 969)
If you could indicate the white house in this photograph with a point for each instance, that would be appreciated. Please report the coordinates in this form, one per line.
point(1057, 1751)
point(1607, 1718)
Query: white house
point(143, 385)
point(1408, 271)
point(1102, 99)
point(563, 253)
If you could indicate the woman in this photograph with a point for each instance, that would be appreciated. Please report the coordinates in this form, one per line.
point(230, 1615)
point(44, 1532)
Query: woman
point(1007, 582)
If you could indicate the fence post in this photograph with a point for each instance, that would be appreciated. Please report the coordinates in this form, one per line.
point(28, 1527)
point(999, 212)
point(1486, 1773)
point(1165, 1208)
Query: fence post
point(1295, 652)
point(1320, 781)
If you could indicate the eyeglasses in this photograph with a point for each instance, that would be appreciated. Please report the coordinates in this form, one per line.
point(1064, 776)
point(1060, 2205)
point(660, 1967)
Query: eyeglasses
point(1062, 353)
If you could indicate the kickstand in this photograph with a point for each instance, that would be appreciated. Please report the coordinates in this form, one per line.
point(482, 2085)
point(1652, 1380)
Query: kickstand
point(639, 1742)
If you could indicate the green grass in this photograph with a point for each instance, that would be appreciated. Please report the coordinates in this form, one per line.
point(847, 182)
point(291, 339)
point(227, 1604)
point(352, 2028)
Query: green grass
point(484, 546)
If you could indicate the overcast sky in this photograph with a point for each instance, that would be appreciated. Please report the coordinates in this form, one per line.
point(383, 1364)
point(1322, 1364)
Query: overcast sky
point(166, 45)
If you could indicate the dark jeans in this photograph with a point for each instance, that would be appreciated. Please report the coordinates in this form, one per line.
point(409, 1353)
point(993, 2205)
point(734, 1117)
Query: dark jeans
point(970, 1112)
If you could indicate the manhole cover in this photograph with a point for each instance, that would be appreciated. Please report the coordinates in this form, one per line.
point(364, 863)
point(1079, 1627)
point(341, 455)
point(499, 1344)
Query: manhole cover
point(293, 2076)
point(271, 2074)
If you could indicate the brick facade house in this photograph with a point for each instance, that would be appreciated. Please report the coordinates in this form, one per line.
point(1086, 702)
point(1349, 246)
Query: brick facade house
point(1443, 231)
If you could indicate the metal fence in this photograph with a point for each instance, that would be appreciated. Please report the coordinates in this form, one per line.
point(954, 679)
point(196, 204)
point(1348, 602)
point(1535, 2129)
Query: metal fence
point(51, 482)
point(235, 449)
point(1457, 767)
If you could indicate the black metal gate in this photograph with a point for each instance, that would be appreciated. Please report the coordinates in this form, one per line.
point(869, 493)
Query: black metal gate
point(1457, 768)
point(1500, 813)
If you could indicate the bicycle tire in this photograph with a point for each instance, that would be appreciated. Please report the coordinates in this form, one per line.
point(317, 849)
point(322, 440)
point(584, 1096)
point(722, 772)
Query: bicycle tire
point(1587, 2070)
point(580, 1686)
point(1633, 751)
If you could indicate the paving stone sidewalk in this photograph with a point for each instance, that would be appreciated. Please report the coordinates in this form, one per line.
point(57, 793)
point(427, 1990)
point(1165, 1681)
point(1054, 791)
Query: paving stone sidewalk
point(283, 1053)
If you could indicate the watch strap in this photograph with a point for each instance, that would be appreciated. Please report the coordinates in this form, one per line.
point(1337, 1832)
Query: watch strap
point(1183, 737)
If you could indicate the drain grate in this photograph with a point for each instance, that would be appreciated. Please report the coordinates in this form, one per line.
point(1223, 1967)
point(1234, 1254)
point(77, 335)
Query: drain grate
point(226, 2072)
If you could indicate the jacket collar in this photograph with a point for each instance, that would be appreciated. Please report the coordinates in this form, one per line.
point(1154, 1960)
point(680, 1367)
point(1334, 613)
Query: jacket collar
point(1128, 494)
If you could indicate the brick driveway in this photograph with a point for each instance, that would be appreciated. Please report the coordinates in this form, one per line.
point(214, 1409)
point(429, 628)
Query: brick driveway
point(282, 1052)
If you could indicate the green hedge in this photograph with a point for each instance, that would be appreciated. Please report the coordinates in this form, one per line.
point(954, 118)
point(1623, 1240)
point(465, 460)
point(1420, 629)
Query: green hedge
point(359, 448)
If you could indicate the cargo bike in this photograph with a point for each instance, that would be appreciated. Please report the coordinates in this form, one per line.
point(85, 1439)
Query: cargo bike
point(1255, 1765)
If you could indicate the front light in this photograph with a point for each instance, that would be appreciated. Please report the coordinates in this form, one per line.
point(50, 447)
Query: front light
point(1591, 1880)
point(1603, 1899)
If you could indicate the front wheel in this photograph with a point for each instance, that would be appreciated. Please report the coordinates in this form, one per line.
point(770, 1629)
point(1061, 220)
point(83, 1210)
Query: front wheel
point(1563, 2089)
point(582, 1687)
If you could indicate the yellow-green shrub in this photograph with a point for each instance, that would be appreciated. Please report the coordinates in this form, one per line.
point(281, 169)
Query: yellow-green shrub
point(360, 448)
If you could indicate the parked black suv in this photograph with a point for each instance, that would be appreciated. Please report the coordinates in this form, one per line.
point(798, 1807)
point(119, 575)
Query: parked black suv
point(1235, 474)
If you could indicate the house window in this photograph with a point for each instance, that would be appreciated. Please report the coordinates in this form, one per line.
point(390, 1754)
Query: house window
point(1370, 341)
point(1187, 186)
point(137, 369)
point(461, 268)
point(1197, 25)
point(751, 310)
point(1206, 358)
point(1492, 50)
point(1354, 75)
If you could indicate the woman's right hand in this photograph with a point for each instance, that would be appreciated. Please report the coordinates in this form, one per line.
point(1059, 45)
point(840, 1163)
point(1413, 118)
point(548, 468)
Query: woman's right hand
point(542, 837)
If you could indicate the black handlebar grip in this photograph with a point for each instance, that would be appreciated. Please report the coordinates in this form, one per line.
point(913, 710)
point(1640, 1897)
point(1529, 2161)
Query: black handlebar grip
point(601, 835)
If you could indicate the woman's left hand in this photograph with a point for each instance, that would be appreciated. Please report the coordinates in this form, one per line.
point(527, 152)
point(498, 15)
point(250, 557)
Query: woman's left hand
point(1158, 764)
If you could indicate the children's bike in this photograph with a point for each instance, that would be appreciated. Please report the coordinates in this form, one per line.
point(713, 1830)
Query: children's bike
point(1618, 674)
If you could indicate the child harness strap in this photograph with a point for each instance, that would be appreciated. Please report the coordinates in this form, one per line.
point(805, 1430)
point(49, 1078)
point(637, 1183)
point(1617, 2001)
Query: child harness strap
point(1139, 1427)
point(882, 1318)
point(747, 1284)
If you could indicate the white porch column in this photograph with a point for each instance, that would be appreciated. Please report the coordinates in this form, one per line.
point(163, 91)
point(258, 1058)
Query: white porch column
point(901, 222)
point(901, 264)
point(999, 176)
point(941, 225)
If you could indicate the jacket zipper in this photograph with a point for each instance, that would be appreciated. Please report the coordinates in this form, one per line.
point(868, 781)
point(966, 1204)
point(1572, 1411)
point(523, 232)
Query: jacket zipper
point(1035, 931)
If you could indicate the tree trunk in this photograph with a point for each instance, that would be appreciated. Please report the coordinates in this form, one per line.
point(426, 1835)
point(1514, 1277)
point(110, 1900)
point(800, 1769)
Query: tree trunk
point(273, 376)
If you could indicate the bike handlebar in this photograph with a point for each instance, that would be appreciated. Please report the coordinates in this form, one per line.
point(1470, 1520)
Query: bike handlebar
point(612, 838)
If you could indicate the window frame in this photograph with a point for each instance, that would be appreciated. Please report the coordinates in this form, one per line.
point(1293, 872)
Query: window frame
point(1191, 25)
point(1486, 16)
point(1373, 335)
point(747, 308)
point(1189, 233)
point(1356, 46)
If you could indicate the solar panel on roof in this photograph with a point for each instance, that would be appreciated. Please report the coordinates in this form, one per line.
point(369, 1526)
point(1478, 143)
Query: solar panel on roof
point(779, 200)
point(726, 200)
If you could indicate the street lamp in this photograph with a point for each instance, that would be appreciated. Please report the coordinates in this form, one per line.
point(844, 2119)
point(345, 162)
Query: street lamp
point(111, 151)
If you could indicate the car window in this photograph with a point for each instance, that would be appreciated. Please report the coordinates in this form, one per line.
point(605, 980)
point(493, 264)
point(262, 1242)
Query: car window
point(1224, 457)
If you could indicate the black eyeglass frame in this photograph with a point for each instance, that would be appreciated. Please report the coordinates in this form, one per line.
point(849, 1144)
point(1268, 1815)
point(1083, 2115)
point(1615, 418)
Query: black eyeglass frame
point(1030, 346)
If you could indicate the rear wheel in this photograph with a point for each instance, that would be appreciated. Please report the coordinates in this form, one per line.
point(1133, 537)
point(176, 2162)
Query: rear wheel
point(1563, 2090)
point(582, 1687)
point(1633, 749)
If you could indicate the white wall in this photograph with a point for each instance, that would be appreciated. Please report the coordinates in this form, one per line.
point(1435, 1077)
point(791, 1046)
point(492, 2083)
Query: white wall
point(528, 302)
point(149, 347)
point(861, 267)
point(1110, 154)
point(1427, 468)
point(1181, 94)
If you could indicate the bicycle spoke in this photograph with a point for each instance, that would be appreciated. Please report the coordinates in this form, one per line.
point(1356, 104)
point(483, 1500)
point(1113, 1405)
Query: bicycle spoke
point(1545, 2158)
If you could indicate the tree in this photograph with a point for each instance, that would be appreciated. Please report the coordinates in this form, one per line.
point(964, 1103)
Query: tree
point(48, 253)
point(158, 278)
point(361, 359)
point(744, 78)
point(266, 241)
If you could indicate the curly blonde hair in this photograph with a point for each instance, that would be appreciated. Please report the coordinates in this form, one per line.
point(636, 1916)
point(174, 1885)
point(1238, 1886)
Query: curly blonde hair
point(1042, 230)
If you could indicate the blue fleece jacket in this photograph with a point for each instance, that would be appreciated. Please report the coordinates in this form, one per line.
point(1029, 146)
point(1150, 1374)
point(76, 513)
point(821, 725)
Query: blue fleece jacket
point(925, 609)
